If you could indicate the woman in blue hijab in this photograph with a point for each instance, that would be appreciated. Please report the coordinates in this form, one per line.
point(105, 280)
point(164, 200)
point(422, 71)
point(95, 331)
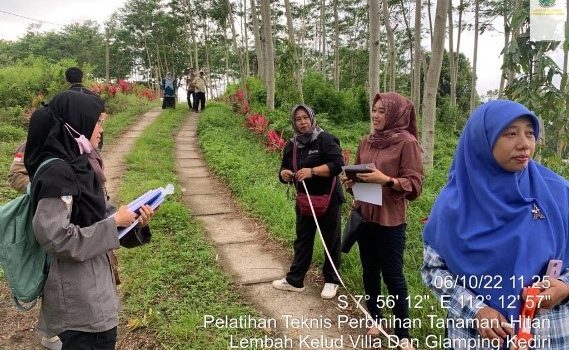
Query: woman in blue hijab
point(492, 231)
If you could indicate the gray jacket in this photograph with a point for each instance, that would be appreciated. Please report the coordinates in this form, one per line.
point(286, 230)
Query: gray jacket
point(80, 291)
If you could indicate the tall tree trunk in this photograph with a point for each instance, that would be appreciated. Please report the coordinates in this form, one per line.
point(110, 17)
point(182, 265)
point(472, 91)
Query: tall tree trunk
point(107, 57)
point(474, 55)
point(206, 42)
point(373, 69)
point(429, 5)
point(297, 73)
point(562, 134)
point(246, 38)
point(451, 56)
point(269, 53)
point(459, 35)
point(417, 58)
point(225, 40)
point(190, 16)
point(323, 57)
point(410, 37)
point(237, 49)
point(507, 30)
point(432, 83)
point(391, 49)
point(336, 47)
point(259, 49)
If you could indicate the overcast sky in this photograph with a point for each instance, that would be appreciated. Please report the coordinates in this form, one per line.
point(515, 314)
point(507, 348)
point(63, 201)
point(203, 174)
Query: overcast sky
point(69, 11)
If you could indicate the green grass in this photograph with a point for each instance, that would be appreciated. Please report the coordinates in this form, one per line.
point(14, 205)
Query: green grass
point(239, 158)
point(175, 278)
point(118, 122)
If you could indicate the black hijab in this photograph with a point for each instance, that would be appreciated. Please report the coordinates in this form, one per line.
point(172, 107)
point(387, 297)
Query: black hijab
point(74, 176)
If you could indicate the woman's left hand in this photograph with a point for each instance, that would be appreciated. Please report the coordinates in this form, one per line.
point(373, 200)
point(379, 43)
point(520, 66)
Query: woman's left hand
point(303, 174)
point(376, 176)
point(553, 292)
point(146, 213)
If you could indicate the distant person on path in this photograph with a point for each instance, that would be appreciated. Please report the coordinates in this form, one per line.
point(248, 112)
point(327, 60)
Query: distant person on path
point(318, 161)
point(169, 86)
point(201, 87)
point(74, 76)
point(393, 150)
point(191, 87)
point(495, 226)
point(72, 223)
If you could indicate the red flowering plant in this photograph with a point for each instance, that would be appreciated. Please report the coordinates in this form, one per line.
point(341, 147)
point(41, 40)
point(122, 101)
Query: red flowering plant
point(124, 86)
point(147, 93)
point(275, 142)
point(257, 123)
point(112, 90)
point(239, 103)
point(97, 88)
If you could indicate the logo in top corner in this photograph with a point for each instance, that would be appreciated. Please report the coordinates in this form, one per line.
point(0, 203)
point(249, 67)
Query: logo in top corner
point(546, 3)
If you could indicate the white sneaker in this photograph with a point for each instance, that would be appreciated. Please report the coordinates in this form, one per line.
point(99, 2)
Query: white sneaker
point(52, 343)
point(282, 284)
point(329, 291)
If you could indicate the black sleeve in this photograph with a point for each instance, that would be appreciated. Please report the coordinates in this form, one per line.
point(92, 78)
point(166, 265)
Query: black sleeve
point(286, 162)
point(136, 237)
point(332, 154)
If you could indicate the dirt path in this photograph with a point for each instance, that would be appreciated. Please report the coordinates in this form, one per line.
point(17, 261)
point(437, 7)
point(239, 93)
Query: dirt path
point(252, 259)
point(17, 329)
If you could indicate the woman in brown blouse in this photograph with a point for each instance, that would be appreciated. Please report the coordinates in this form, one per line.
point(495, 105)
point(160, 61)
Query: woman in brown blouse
point(393, 149)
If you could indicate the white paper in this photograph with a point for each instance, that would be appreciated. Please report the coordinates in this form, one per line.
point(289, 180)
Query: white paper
point(367, 192)
point(140, 201)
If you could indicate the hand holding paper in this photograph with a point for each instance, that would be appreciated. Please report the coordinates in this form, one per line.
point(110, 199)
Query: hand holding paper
point(152, 198)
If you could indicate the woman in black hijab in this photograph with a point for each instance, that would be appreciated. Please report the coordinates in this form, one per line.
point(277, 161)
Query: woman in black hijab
point(72, 223)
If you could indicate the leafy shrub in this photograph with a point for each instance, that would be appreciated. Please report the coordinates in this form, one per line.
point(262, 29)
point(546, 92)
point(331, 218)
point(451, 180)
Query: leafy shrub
point(11, 133)
point(20, 83)
point(341, 106)
point(12, 116)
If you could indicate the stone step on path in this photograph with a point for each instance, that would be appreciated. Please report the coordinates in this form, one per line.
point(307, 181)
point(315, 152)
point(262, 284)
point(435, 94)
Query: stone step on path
point(244, 255)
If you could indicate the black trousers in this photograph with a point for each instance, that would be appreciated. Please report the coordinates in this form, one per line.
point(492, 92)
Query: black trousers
point(199, 99)
point(381, 254)
point(304, 244)
point(75, 340)
point(169, 102)
point(191, 94)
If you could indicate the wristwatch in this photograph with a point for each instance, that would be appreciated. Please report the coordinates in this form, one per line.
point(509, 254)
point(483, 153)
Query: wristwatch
point(390, 183)
point(312, 172)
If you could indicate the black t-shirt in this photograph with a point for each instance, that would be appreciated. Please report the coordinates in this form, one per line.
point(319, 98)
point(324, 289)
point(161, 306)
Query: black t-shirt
point(324, 150)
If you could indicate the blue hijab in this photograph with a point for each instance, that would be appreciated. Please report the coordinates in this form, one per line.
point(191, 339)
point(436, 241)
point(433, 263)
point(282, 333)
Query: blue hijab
point(482, 222)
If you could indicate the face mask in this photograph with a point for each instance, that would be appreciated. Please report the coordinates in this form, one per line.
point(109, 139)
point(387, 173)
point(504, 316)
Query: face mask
point(84, 144)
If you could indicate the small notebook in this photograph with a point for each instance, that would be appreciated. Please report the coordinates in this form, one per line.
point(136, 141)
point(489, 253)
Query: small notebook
point(351, 171)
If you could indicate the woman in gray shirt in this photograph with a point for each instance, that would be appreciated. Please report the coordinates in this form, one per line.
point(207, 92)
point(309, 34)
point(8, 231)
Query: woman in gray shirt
point(72, 223)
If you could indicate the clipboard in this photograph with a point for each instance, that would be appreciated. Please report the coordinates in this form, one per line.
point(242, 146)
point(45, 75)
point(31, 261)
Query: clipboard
point(152, 198)
point(351, 171)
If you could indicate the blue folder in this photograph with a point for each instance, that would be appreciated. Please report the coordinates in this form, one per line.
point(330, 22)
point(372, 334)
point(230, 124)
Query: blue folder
point(152, 198)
